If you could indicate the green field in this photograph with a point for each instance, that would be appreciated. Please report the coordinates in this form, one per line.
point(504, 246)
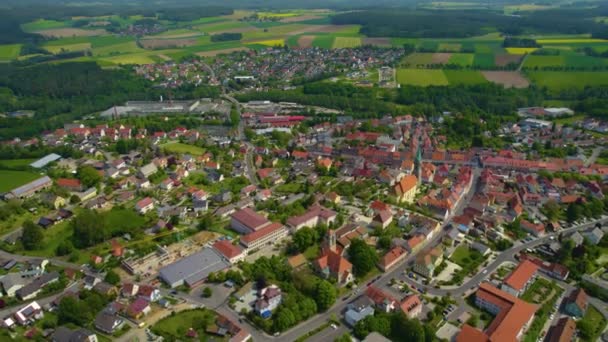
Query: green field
point(421, 77)
point(43, 24)
point(462, 59)
point(65, 48)
point(325, 41)
point(175, 147)
point(464, 77)
point(418, 58)
point(10, 51)
point(12, 179)
point(484, 60)
point(12, 163)
point(346, 42)
point(461, 255)
point(556, 80)
point(122, 48)
point(534, 61)
point(175, 327)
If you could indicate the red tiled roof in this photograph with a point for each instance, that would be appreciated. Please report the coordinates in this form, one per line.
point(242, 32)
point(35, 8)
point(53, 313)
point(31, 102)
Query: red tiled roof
point(68, 183)
point(378, 296)
point(256, 235)
point(521, 275)
point(406, 184)
point(470, 334)
point(250, 219)
point(144, 202)
point(410, 303)
point(393, 255)
point(227, 249)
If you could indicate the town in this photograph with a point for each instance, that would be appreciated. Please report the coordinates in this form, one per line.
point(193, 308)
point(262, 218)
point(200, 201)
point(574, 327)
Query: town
point(141, 225)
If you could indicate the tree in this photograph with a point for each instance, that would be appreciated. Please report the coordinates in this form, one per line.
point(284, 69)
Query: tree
point(72, 310)
point(32, 235)
point(404, 329)
point(362, 256)
point(586, 329)
point(284, 319)
point(207, 292)
point(88, 176)
point(65, 247)
point(326, 295)
point(344, 338)
point(112, 278)
point(303, 238)
point(89, 229)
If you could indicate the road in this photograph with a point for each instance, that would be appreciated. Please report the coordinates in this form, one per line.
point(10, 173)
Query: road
point(594, 155)
point(73, 287)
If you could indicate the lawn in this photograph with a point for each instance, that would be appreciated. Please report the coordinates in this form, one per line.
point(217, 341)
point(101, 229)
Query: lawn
point(312, 252)
point(595, 318)
point(290, 188)
point(460, 255)
point(462, 59)
point(484, 60)
point(13, 163)
point(538, 292)
point(346, 42)
point(53, 236)
point(555, 80)
point(175, 147)
point(12, 179)
point(324, 41)
point(421, 77)
point(10, 51)
point(175, 327)
point(464, 77)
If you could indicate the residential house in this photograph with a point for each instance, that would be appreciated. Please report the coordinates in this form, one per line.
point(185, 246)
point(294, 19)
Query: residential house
point(149, 293)
point(411, 306)
point(138, 308)
point(52, 200)
point(358, 310)
point(147, 170)
point(108, 323)
point(427, 261)
point(382, 219)
point(520, 278)
point(594, 236)
point(11, 283)
point(576, 303)
point(34, 288)
point(64, 334)
point(563, 331)
point(70, 184)
point(536, 229)
point(392, 258)
point(382, 301)
point(129, 290)
point(269, 298)
point(144, 206)
point(29, 314)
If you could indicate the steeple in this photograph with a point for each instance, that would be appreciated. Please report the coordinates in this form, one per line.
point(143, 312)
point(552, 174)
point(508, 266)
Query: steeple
point(418, 161)
point(331, 240)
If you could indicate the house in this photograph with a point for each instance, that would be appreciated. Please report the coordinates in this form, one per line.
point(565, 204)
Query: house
point(34, 288)
point(512, 316)
point(129, 290)
point(411, 306)
point(166, 184)
point(315, 215)
point(594, 236)
point(392, 258)
point(11, 283)
point(232, 253)
point(108, 323)
point(405, 189)
point(149, 293)
point(147, 170)
point(520, 278)
point(53, 201)
point(577, 238)
point(29, 314)
point(427, 261)
point(333, 265)
point(382, 219)
point(269, 299)
point(64, 334)
point(358, 310)
point(536, 229)
point(563, 331)
point(144, 206)
point(35, 268)
point(70, 184)
point(90, 281)
point(382, 301)
point(576, 303)
point(138, 308)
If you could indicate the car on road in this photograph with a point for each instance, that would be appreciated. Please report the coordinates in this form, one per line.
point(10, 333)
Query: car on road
point(484, 272)
point(333, 326)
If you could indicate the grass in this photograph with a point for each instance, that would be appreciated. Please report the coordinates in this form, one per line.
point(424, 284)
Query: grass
point(12, 179)
point(122, 48)
point(460, 255)
point(520, 51)
point(418, 58)
point(570, 41)
point(12, 163)
point(325, 41)
point(176, 325)
point(484, 60)
point(312, 252)
point(595, 318)
point(43, 24)
point(464, 77)
point(533, 61)
point(53, 236)
point(133, 58)
point(10, 51)
point(462, 59)
point(175, 147)
point(451, 47)
point(421, 77)
point(71, 47)
point(584, 61)
point(555, 80)
point(290, 188)
point(346, 42)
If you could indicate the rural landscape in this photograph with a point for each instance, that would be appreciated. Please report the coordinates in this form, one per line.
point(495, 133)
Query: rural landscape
point(290, 170)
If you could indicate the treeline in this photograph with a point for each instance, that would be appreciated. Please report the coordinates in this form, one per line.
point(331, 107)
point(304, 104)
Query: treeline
point(60, 93)
point(461, 24)
point(227, 36)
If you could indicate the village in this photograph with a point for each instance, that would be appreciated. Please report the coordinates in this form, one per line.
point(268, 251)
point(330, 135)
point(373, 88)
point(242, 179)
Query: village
point(280, 229)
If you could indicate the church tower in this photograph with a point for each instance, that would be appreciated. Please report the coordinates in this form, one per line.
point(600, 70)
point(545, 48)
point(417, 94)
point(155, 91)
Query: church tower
point(331, 239)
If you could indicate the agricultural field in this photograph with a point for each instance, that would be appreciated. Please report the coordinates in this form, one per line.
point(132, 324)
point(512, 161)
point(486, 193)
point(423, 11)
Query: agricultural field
point(466, 77)
point(325, 41)
point(43, 24)
point(556, 81)
point(421, 77)
point(346, 42)
point(12, 179)
point(509, 79)
point(520, 51)
point(9, 51)
point(484, 60)
point(271, 42)
point(175, 147)
point(462, 59)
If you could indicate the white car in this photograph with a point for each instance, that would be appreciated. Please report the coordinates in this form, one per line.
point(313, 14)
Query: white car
point(333, 326)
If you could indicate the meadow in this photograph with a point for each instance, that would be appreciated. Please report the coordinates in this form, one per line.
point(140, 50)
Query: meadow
point(9, 51)
point(175, 147)
point(12, 179)
point(556, 80)
point(421, 77)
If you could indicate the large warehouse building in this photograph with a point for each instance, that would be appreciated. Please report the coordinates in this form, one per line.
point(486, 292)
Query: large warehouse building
point(193, 269)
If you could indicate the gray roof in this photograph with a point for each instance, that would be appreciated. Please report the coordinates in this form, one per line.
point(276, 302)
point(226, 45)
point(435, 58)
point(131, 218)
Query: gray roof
point(375, 337)
point(44, 161)
point(148, 169)
point(64, 334)
point(11, 280)
point(31, 185)
point(37, 284)
point(194, 268)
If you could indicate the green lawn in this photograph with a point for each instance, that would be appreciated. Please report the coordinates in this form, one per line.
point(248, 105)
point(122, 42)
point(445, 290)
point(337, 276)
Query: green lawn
point(460, 255)
point(534, 61)
point(12, 179)
point(176, 326)
point(175, 147)
point(10, 51)
point(291, 188)
point(540, 289)
point(595, 318)
point(312, 252)
point(421, 77)
point(12, 163)
point(53, 236)
point(560, 80)
point(464, 77)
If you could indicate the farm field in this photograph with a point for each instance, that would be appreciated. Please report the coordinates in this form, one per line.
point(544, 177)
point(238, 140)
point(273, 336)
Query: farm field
point(43, 24)
point(483, 60)
point(11, 163)
point(544, 61)
point(556, 81)
point(421, 77)
point(346, 42)
point(12, 179)
point(520, 51)
point(10, 51)
point(508, 79)
point(462, 59)
point(175, 147)
point(464, 77)
point(325, 41)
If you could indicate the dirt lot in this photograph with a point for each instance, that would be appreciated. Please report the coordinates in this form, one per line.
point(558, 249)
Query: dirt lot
point(440, 58)
point(220, 52)
point(305, 41)
point(317, 28)
point(507, 78)
point(167, 43)
point(383, 42)
point(70, 32)
point(505, 59)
